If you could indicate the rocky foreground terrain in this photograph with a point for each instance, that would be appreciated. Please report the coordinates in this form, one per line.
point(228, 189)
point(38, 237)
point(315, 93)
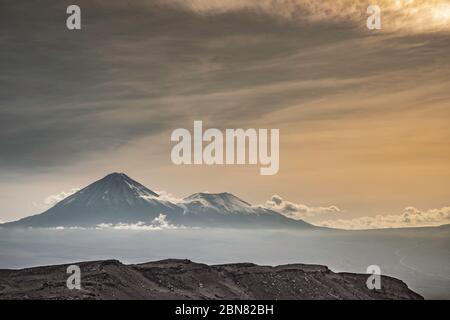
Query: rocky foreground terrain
point(183, 279)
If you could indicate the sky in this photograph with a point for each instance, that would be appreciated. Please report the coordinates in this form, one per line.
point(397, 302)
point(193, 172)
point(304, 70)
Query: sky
point(363, 114)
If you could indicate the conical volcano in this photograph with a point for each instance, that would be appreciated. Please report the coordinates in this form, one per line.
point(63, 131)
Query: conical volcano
point(114, 199)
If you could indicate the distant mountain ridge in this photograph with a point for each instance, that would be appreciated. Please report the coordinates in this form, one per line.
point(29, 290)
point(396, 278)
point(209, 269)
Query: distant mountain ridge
point(118, 199)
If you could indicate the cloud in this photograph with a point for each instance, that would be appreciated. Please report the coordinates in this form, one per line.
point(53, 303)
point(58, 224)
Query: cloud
point(400, 15)
point(166, 196)
point(410, 217)
point(156, 65)
point(298, 211)
point(50, 201)
point(65, 228)
point(159, 223)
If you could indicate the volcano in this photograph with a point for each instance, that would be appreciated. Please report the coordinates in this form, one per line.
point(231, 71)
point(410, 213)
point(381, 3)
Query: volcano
point(118, 199)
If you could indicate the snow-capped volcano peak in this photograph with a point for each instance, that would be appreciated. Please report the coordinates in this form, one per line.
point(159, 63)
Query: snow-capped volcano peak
point(113, 189)
point(219, 201)
point(121, 180)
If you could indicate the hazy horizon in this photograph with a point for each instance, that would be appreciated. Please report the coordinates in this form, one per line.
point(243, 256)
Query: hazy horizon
point(417, 257)
point(276, 203)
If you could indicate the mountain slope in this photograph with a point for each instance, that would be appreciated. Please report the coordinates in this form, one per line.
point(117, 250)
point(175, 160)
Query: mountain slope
point(183, 279)
point(225, 202)
point(118, 199)
point(231, 211)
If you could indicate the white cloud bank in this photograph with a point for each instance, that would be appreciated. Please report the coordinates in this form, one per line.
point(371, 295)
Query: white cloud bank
point(166, 196)
point(298, 211)
point(410, 217)
point(54, 199)
point(159, 223)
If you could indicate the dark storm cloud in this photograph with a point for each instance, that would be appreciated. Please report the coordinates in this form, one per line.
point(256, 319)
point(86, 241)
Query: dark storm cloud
point(139, 68)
